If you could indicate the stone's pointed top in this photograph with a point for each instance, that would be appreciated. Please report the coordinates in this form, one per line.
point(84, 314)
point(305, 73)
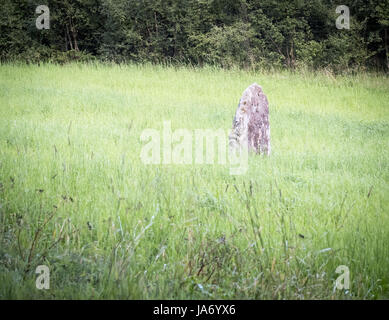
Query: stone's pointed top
point(252, 95)
point(253, 88)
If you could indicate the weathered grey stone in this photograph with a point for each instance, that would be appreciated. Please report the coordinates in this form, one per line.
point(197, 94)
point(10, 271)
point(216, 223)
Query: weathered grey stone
point(251, 127)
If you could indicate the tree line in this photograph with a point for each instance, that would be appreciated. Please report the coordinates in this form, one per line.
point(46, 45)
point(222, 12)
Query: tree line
point(243, 33)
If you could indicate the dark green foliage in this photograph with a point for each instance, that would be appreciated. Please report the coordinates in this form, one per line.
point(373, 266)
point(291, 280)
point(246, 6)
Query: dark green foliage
point(243, 33)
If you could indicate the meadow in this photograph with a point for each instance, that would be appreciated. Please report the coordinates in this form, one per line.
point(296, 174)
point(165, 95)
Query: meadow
point(76, 197)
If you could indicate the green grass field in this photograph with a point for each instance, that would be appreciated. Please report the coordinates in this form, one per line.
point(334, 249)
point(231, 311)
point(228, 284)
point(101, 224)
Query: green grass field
point(75, 195)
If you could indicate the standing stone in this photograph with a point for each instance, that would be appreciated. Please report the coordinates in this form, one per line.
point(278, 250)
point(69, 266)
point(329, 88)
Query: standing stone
point(251, 122)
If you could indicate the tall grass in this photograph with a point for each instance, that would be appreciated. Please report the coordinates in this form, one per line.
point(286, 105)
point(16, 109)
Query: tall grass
point(75, 196)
